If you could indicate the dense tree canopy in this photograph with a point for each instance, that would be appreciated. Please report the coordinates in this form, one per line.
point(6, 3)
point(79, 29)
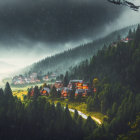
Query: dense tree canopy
point(38, 119)
point(117, 96)
point(117, 68)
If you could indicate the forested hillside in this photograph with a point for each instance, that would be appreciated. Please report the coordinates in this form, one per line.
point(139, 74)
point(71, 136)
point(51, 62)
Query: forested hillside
point(114, 64)
point(62, 61)
point(117, 95)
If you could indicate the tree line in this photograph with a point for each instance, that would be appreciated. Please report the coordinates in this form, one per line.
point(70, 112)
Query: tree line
point(38, 119)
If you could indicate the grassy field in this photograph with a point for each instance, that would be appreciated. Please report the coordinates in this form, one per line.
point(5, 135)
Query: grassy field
point(20, 94)
point(24, 87)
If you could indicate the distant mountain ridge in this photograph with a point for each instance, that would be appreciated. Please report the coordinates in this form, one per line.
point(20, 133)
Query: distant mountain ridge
point(61, 62)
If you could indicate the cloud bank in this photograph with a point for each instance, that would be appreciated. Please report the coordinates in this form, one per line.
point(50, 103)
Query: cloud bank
point(33, 29)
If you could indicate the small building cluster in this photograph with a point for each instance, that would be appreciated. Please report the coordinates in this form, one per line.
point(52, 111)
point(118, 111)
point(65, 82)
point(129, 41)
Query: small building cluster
point(124, 40)
point(79, 86)
point(49, 77)
point(19, 80)
point(58, 84)
point(76, 87)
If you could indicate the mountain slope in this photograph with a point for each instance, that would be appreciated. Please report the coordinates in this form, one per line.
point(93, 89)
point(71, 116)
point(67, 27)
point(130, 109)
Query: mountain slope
point(61, 62)
point(117, 88)
point(119, 63)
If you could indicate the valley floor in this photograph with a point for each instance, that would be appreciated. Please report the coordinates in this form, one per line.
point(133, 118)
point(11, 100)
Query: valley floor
point(79, 106)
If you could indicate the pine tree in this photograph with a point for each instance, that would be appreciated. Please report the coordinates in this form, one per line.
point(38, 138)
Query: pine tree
point(72, 93)
point(58, 108)
point(66, 79)
point(53, 111)
point(114, 108)
point(44, 85)
point(29, 92)
point(130, 34)
point(53, 92)
point(80, 122)
point(7, 91)
point(67, 114)
point(1, 92)
point(36, 92)
point(58, 94)
point(119, 37)
point(89, 125)
point(76, 114)
point(137, 37)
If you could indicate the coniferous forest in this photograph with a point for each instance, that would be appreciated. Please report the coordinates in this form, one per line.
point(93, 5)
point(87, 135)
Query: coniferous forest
point(69, 69)
point(38, 119)
point(117, 69)
point(62, 61)
point(117, 96)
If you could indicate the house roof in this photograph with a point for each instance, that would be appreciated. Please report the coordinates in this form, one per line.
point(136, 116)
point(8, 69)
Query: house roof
point(46, 89)
point(58, 82)
point(79, 91)
point(76, 81)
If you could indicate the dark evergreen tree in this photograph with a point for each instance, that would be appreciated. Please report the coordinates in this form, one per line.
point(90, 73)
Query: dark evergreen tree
point(53, 92)
point(7, 91)
point(130, 34)
point(75, 114)
point(67, 112)
point(72, 93)
point(36, 92)
point(66, 79)
point(137, 37)
point(89, 125)
point(29, 92)
point(58, 94)
point(1, 92)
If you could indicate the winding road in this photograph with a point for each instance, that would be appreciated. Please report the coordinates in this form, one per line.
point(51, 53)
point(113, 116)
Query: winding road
point(85, 116)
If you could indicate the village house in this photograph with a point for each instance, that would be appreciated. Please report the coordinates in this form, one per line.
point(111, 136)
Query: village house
point(65, 92)
point(33, 76)
point(19, 80)
point(46, 78)
point(126, 40)
point(53, 76)
point(79, 92)
point(45, 91)
point(58, 84)
point(86, 86)
point(75, 83)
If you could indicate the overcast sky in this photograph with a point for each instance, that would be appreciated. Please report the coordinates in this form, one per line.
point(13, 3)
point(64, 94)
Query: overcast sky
point(33, 29)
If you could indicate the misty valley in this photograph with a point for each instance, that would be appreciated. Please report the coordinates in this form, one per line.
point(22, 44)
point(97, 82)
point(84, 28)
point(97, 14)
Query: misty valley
point(69, 70)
